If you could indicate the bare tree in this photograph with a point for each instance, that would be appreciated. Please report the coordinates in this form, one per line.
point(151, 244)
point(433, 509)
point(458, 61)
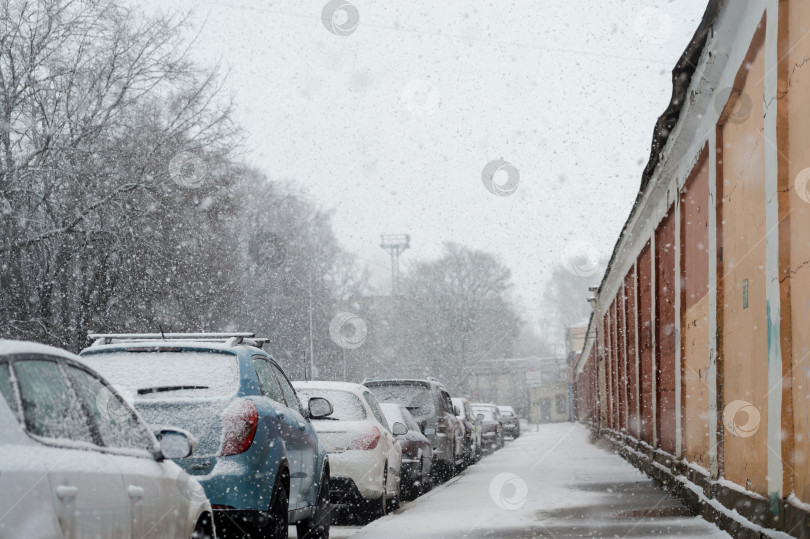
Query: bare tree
point(95, 103)
point(454, 313)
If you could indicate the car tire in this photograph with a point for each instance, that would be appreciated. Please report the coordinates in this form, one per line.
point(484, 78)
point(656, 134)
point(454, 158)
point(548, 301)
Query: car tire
point(317, 527)
point(394, 504)
point(427, 481)
point(204, 529)
point(279, 506)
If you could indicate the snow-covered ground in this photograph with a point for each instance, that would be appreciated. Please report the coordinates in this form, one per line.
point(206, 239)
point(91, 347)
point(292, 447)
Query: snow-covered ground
point(552, 482)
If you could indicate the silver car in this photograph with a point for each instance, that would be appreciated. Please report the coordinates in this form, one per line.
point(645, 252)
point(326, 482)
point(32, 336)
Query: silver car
point(78, 461)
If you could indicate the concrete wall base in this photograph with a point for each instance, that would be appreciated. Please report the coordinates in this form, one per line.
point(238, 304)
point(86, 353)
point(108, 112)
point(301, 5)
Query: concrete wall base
point(741, 514)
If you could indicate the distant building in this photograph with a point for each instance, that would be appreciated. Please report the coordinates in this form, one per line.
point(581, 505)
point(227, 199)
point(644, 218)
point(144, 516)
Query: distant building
point(502, 381)
point(548, 384)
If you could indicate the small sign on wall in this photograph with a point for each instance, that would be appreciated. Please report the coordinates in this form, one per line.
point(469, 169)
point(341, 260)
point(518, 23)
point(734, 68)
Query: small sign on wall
point(745, 293)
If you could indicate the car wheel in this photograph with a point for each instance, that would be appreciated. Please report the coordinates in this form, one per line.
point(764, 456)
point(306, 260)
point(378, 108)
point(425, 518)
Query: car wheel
point(317, 527)
point(204, 528)
point(279, 506)
point(394, 504)
point(427, 480)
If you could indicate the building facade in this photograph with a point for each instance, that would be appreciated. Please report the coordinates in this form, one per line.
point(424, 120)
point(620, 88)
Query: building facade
point(697, 351)
point(502, 381)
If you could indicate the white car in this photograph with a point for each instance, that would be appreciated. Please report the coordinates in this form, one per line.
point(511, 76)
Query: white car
point(78, 461)
point(364, 457)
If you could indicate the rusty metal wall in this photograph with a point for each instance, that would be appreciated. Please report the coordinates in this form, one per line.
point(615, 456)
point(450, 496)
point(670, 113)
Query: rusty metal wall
point(695, 209)
point(744, 316)
point(718, 258)
point(645, 343)
point(617, 366)
point(621, 335)
point(630, 332)
point(795, 81)
point(608, 354)
point(665, 332)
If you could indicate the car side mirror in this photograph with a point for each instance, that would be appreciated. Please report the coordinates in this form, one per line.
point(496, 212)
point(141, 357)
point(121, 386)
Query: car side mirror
point(422, 425)
point(399, 429)
point(176, 443)
point(319, 407)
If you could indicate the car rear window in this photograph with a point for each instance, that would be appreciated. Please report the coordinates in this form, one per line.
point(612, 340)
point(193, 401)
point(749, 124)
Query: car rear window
point(416, 398)
point(488, 415)
point(346, 406)
point(156, 375)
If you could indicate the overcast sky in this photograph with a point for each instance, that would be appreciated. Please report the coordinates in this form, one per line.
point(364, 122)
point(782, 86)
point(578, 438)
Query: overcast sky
point(392, 124)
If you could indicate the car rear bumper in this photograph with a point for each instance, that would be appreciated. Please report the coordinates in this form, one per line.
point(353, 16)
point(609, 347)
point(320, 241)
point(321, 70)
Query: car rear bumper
point(344, 491)
point(363, 468)
point(237, 483)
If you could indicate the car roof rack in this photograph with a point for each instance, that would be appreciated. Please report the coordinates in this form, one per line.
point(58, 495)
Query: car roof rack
point(228, 338)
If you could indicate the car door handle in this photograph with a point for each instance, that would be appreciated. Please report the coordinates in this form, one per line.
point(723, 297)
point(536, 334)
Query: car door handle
point(66, 491)
point(135, 492)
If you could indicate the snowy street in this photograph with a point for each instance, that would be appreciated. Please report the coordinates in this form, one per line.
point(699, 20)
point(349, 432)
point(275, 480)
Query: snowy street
point(561, 485)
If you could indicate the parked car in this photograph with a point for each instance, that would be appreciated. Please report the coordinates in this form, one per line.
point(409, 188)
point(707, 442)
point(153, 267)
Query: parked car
point(364, 456)
point(492, 431)
point(430, 404)
point(78, 461)
point(258, 458)
point(511, 423)
point(471, 429)
point(417, 452)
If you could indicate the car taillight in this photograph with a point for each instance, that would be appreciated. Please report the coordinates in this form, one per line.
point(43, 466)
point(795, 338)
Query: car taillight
point(239, 422)
point(367, 441)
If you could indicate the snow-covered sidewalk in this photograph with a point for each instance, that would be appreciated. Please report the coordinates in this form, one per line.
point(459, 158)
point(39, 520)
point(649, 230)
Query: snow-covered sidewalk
point(548, 483)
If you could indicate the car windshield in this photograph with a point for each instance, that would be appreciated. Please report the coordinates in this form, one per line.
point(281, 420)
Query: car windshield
point(168, 375)
point(346, 405)
point(417, 398)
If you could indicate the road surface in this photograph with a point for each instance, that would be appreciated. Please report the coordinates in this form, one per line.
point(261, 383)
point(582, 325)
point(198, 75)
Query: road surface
point(548, 483)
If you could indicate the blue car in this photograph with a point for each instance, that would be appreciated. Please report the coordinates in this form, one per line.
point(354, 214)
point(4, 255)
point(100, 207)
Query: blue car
point(258, 457)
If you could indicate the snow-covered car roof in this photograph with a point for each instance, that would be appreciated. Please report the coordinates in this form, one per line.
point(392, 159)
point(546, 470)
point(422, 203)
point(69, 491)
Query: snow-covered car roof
point(323, 384)
point(484, 405)
point(9, 347)
point(423, 381)
point(182, 344)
